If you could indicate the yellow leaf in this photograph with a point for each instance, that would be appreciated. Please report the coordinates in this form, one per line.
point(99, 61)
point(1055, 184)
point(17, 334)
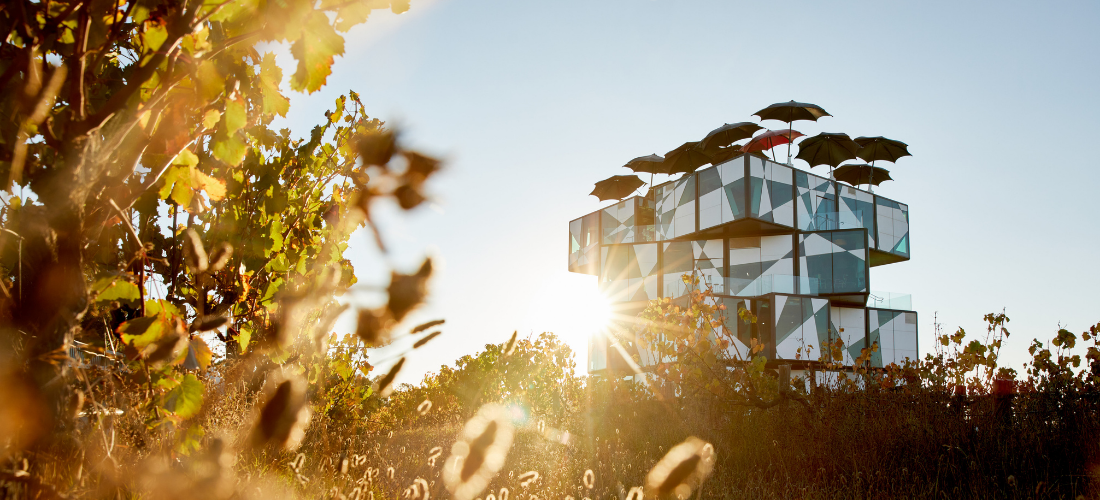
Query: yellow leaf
point(214, 188)
point(235, 116)
point(186, 157)
point(154, 36)
point(211, 118)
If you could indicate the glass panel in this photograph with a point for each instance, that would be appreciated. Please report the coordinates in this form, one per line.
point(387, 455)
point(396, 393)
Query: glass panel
point(678, 261)
point(583, 245)
point(760, 200)
point(710, 197)
point(854, 200)
point(816, 195)
point(780, 183)
point(893, 226)
point(771, 283)
point(837, 259)
point(675, 208)
point(890, 300)
point(618, 222)
point(628, 272)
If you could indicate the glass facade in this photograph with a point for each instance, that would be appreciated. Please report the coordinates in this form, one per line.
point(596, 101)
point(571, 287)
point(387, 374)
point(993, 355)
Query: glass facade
point(754, 259)
point(771, 191)
point(584, 245)
point(896, 335)
point(722, 193)
point(856, 204)
point(629, 272)
point(791, 246)
point(836, 259)
point(674, 208)
point(893, 226)
point(801, 327)
point(816, 201)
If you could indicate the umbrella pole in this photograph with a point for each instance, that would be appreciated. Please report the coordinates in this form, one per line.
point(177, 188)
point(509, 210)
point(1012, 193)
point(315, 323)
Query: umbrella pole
point(871, 178)
point(789, 122)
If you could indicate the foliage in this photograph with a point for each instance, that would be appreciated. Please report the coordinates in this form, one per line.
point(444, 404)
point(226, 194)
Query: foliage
point(165, 251)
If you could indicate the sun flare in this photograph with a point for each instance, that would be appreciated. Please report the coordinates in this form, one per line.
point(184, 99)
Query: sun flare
point(572, 307)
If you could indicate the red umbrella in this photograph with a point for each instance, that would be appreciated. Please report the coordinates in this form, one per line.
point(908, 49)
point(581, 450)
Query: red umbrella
point(771, 139)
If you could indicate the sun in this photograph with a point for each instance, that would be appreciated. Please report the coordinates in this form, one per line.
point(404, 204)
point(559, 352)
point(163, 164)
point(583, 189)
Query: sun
point(572, 307)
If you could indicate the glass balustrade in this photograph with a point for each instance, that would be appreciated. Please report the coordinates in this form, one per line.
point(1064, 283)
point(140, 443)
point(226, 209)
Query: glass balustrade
point(890, 300)
point(771, 283)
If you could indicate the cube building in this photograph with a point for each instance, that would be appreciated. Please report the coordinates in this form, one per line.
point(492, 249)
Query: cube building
point(794, 248)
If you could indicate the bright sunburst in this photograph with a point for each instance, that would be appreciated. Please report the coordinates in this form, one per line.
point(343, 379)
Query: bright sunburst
point(572, 307)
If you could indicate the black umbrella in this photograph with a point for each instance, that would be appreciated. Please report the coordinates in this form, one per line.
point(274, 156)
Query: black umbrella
point(791, 111)
point(881, 148)
point(650, 164)
point(728, 134)
point(617, 187)
point(827, 149)
point(723, 155)
point(686, 158)
point(862, 173)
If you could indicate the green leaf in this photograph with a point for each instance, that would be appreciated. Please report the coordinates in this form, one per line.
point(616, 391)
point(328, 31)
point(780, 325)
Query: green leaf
point(115, 288)
point(244, 336)
point(185, 400)
point(230, 150)
point(140, 332)
point(210, 82)
point(237, 10)
point(276, 234)
point(235, 116)
point(163, 307)
point(154, 36)
point(271, 77)
point(315, 49)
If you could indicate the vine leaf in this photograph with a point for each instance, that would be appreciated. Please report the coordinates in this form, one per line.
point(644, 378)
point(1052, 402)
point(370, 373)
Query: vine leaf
point(185, 399)
point(315, 51)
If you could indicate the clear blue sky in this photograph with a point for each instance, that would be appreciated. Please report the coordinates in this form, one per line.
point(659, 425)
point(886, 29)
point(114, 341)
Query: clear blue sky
point(532, 102)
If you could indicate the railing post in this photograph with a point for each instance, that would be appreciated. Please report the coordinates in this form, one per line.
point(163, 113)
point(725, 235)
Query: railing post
point(784, 379)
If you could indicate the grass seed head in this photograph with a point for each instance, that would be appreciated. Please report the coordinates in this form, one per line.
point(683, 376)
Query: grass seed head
point(682, 469)
point(420, 343)
point(425, 326)
point(385, 384)
point(193, 252)
point(511, 346)
point(284, 416)
point(527, 478)
point(479, 453)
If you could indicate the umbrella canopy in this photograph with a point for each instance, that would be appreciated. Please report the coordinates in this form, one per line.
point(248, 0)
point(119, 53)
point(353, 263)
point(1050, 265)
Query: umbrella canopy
point(771, 139)
point(728, 134)
point(723, 155)
point(881, 148)
point(862, 173)
point(827, 149)
point(617, 187)
point(650, 164)
point(792, 111)
point(686, 158)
